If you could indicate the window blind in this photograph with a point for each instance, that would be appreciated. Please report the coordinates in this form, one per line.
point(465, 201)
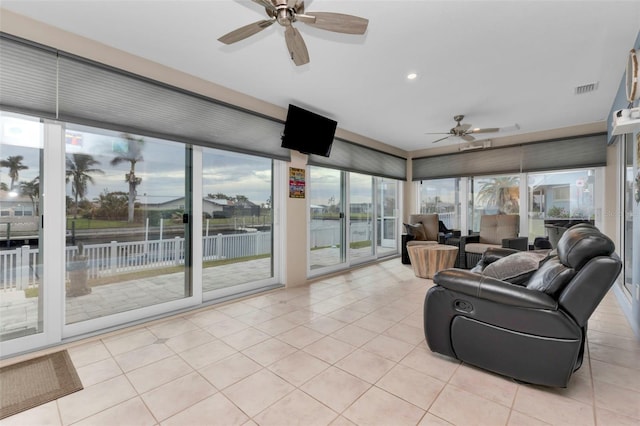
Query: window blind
point(352, 157)
point(65, 87)
point(568, 153)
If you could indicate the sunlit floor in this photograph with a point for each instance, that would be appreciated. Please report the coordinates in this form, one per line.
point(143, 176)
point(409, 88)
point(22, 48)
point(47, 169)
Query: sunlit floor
point(345, 350)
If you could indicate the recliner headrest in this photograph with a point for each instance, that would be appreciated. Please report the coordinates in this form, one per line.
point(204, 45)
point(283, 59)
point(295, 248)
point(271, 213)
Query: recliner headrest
point(581, 243)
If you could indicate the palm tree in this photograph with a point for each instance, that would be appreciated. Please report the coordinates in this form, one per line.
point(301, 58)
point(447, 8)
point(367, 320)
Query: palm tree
point(79, 169)
point(497, 192)
point(14, 164)
point(133, 155)
point(32, 190)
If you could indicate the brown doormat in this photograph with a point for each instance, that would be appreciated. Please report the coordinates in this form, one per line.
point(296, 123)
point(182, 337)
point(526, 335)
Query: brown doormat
point(33, 382)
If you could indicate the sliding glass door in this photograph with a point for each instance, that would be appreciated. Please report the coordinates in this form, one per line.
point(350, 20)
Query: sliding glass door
point(21, 259)
point(361, 218)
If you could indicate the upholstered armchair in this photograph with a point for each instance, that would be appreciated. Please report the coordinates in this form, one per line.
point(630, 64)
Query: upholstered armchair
point(422, 229)
point(498, 230)
point(523, 314)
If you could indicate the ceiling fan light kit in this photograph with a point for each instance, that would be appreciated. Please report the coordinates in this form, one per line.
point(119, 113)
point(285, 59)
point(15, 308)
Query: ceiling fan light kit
point(285, 13)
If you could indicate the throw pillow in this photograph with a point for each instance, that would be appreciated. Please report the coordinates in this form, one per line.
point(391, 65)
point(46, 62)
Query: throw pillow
point(417, 231)
point(516, 268)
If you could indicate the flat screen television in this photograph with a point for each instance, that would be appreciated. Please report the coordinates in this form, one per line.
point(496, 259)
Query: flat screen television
point(308, 132)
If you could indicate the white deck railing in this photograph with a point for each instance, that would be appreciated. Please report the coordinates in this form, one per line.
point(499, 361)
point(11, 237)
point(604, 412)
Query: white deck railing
point(20, 269)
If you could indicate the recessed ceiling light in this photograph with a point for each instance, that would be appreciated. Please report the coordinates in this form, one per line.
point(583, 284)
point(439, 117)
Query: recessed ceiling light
point(412, 76)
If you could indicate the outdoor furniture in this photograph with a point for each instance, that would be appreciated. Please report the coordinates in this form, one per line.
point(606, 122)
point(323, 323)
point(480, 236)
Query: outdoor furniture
point(498, 230)
point(531, 324)
point(426, 260)
point(422, 229)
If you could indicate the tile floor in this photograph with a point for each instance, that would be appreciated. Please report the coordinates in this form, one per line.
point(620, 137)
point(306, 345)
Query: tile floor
point(345, 350)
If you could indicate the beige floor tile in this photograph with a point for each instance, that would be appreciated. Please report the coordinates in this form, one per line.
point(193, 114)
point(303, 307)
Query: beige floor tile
point(176, 395)
point(236, 309)
point(42, 415)
point(326, 325)
point(269, 351)
point(171, 328)
point(257, 392)
point(329, 349)
point(296, 408)
point(613, 374)
point(140, 357)
point(435, 365)
point(298, 367)
point(365, 365)
point(620, 400)
point(300, 337)
point(347, 314)
point(377, 407)
point(391, 314)
point(461, 408)
point(519, 419)
point(374, 323)
point(620, 342)
point(354, 335)
point(129, 341)
point(606, 417)
point(485, 384)
point(189, 340)
point(131, 412)
point(558, 409)
point(245, 338)
point(276, 326)
point(98, 372)
point(229, 370)
point(88, 353)
point(301, 316)
point(214, 410)
point(342, 421)
point(93, 399)
point(388, 347)
point(226, 327)
point(160, 372)
point(206, 317)
point(431, 420)
point(325, 307)
point(335, 388)
point(615, 356)
point(255, 317)
point(406, 333)
point(208, 353)
point(411, 385)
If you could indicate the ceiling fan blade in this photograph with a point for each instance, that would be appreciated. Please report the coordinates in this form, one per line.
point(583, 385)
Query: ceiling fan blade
point(246, 31)
point(266, 4)
point(338, 22)
point(485, 130)
point(441, 139)
point(462, 128)
point(438, 133)
point(297, 47)
point(468, 138)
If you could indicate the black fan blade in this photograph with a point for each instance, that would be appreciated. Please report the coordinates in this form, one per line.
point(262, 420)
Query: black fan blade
point(296, 45)
point(246, 31)
point(338, 22)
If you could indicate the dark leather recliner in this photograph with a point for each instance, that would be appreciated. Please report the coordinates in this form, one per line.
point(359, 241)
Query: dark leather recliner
point(533, 332)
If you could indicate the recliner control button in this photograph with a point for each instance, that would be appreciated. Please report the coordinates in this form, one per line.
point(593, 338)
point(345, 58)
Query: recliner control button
point(463, 306)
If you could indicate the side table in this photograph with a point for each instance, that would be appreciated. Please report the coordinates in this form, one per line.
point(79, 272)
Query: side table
point(429, 259)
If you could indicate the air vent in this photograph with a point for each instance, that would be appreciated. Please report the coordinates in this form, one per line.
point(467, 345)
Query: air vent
point(586, 88)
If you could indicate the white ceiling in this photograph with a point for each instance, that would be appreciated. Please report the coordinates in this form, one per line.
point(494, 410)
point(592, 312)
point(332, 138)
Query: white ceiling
point(499, 63)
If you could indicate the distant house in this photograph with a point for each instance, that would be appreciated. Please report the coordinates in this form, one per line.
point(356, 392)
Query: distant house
point(211, 207)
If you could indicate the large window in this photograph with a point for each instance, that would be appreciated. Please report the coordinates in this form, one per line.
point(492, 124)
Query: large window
point(493, 195)
point(127, 211)
point(559, 198)
point(442, 196)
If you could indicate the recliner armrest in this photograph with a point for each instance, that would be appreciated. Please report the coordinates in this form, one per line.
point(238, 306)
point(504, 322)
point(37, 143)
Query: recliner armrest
point(518, 243)
point(484, 287)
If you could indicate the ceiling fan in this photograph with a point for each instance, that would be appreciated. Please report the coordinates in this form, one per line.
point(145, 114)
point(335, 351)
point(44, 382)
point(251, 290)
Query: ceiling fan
point(464, 131)
point(286, 12)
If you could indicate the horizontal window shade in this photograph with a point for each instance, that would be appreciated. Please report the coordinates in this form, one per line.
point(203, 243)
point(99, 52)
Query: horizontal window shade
point(471, 163)
point(570, 153)
point(28, 78)
point(351, 157)
point(97, 95)
point(584, 151)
